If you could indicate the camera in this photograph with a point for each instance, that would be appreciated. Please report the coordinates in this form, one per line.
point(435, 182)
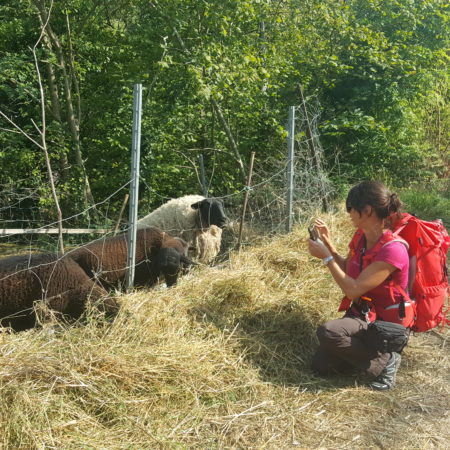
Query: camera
point(313, 233)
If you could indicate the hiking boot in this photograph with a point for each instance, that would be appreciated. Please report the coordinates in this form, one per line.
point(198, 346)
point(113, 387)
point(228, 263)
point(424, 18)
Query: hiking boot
point(386, 379)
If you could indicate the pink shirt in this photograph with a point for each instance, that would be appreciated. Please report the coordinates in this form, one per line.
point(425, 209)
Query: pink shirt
point(394, 253)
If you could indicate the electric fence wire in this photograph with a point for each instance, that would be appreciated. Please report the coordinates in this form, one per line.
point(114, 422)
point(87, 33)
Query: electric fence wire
point(266, 211)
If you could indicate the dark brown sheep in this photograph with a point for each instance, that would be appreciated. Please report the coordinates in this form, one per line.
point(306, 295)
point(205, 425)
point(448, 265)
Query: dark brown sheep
point(172, 259)
point(85, 274)
point(105, 260)
point(58, 281)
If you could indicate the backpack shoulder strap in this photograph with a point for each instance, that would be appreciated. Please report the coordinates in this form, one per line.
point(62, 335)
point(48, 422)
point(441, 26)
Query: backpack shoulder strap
point(355, 239)
point(387, 239)
point(398, 239)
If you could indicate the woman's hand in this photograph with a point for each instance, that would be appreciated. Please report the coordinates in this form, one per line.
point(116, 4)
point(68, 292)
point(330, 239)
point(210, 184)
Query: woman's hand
point(327, 248)
point(323, 230)
point(318, 249)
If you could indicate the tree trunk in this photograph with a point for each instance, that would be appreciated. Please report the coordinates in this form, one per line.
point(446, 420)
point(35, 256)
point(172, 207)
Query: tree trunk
point(229, 135)
point(55, 109)
point(43, 146)
point(56, 48)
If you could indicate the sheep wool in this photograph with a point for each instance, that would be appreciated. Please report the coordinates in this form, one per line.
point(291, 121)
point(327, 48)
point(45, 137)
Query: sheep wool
point(59, 282)
point(207, 243)
point(178, 218)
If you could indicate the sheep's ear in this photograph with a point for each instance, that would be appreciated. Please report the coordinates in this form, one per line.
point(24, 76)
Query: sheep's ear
point(195, 205)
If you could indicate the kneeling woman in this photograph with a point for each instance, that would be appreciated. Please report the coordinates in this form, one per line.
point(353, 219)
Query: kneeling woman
point(372, 277)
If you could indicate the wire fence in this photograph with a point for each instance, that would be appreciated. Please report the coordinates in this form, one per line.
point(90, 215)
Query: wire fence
point(266, 214)
point(266, 210)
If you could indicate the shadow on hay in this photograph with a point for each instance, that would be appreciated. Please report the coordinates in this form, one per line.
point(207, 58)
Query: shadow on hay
point(279, 340)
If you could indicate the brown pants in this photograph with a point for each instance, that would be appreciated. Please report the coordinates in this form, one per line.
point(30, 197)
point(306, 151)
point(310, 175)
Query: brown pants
point(342, 348)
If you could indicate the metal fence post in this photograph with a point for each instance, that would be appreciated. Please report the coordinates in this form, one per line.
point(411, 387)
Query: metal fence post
point(202, 175)
point(290, 168)
point(134, 186)
point(244, 206)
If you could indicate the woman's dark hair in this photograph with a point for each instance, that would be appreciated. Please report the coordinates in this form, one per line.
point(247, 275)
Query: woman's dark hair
point(376, 195)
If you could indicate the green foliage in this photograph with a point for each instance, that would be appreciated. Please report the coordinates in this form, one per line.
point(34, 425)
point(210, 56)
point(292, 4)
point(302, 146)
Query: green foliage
point(378, 68)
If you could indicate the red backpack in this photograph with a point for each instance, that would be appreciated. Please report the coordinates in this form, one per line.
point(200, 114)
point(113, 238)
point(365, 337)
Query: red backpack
point(428, 284)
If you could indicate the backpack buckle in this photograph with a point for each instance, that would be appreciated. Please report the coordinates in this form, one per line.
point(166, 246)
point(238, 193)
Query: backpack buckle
point(364, 305)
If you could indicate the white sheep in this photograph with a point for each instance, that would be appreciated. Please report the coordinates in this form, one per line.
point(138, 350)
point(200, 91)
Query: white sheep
point(190, 217)
point(207, 243)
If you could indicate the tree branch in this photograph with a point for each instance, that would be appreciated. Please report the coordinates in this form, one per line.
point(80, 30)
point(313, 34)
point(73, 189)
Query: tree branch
point(42, 133)
point(214, 103)
point(20, 130)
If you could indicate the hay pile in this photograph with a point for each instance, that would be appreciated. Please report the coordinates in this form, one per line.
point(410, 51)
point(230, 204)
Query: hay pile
point(220, 361)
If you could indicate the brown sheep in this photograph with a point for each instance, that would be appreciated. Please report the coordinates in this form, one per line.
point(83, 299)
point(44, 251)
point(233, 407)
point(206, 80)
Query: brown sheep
point(105, 260)
point(58, 281)
point(85, 274)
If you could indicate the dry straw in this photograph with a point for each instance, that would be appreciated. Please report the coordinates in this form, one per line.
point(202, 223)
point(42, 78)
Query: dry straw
point(220, 361)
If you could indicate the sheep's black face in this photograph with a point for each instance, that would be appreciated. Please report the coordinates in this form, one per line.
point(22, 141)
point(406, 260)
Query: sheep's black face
point(168, 262)
point(211, 212)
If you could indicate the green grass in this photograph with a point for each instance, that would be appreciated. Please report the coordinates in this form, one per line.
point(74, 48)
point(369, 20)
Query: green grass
point(427, 205)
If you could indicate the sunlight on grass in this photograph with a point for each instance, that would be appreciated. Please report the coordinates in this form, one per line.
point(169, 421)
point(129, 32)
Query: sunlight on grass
point(219, 361)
